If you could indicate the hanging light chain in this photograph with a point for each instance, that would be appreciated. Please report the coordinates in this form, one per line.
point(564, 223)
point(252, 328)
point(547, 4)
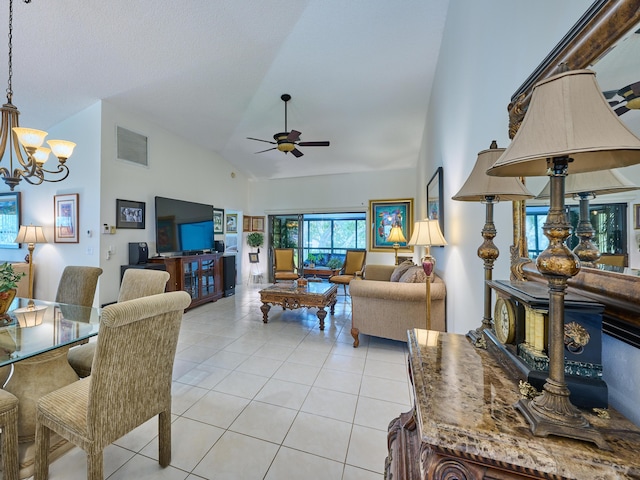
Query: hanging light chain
point(9, 88)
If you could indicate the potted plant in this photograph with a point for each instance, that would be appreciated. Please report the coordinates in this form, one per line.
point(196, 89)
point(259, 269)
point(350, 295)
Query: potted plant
point(334, 263)
point(8, 284)
point(255, 240)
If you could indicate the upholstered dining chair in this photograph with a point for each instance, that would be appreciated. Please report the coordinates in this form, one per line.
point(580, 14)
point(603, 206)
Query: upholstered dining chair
point(130, 383)
point(77, 285)
point(353, 265)
point(9, 438)
point(136, 283)
point(283, 266)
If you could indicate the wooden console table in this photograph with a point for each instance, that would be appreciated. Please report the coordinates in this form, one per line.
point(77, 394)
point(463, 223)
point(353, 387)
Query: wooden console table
point(464, 424)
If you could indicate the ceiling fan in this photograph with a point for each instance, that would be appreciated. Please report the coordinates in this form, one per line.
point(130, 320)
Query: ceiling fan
point(288, 141)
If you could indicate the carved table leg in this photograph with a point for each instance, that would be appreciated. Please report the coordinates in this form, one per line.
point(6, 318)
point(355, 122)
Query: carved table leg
point(333, 307)
point(321, 314)
point(265, 312)
point(354, 333)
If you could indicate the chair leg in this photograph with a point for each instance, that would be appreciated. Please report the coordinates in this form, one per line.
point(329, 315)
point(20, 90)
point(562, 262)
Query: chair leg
point(95, 466)
point(41, 467)
point(164, 438)
point(10, 444)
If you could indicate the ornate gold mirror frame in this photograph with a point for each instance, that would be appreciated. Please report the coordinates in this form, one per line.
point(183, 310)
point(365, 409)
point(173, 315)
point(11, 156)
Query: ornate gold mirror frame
point(605, 22)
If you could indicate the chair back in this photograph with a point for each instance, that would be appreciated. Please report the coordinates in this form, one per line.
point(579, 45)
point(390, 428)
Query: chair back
point(77, 285)
point(137, 282)
point(283, 260)
point(354, 261)
point(133, 363)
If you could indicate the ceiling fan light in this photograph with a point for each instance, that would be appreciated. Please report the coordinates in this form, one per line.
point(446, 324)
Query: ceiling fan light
point(286, 147)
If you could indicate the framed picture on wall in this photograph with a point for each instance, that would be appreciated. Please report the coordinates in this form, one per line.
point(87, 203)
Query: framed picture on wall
point(232, 223)
point(386, 214)
point(65, 229)
point(435, 203)
point(10, 212)
point(218, 220)
point(257, 224)
point(130, 214)
point(246, 223)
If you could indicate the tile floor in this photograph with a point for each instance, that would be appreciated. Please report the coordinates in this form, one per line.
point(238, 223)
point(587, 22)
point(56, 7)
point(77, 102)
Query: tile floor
point(276, 401)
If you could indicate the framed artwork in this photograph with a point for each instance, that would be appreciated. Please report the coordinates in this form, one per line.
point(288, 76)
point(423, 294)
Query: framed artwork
point(10, 216)
point(232, 223)
point(386, 214)
point(435, 203)
point(130, 214)
point(218, 220)
point(636, 216)
point(257, 224)
point(246, 223)
point(65, 214)
point(253, 257)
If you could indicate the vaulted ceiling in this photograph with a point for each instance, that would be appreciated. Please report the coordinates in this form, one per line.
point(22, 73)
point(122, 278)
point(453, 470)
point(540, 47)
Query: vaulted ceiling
point(212, 71)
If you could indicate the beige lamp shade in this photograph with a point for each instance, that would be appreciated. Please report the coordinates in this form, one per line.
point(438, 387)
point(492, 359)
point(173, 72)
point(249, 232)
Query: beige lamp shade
point(479, 185)
point(427, 233)
point(568, 117)
point(594, 183)
point(396, 235)
point(30, 234)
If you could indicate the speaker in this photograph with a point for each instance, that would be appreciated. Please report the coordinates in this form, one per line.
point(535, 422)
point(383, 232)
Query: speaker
point(229, 275)
point(138, 253)
point(218, 246)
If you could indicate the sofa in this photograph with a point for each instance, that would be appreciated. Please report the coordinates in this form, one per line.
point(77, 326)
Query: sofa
point(390, 299)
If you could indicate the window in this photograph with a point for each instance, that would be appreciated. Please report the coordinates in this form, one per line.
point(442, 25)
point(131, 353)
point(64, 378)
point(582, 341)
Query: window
point(608, 220)
point(330, 235)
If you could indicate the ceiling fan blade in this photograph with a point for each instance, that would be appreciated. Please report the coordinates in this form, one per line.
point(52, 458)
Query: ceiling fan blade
point(314, 144)
point(260, 140)
point(268, 149)
point(293, 136)
point(296, 153)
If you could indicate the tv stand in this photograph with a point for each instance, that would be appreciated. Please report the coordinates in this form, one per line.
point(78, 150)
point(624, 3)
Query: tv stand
point(199, 275)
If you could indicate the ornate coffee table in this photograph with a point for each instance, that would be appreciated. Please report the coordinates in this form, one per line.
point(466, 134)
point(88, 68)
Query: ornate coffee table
point(289, 296)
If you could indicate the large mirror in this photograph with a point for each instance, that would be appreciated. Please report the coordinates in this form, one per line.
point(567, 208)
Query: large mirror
point(602, 40)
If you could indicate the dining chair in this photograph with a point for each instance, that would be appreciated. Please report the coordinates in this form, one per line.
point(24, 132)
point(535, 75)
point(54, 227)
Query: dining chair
point(77, 285)
point(284, 267)
point(136, 283)
point(9, 438)
point(130, 383)
point(354, 262)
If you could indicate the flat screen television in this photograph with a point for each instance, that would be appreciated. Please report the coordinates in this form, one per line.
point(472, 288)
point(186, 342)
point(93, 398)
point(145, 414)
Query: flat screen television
point(183, 227)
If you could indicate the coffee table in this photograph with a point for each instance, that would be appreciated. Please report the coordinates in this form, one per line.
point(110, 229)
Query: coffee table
point(290, 296)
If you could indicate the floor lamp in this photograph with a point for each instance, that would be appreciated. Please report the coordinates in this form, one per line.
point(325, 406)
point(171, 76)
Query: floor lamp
point(585, 187)
point(397, 237)
point(31, 235)
point(568, 128)
point(480, 187)
point(427, 233)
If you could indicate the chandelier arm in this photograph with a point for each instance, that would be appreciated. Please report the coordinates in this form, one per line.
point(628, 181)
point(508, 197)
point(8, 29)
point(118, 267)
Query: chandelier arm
point(61, 169)
point(37, 176)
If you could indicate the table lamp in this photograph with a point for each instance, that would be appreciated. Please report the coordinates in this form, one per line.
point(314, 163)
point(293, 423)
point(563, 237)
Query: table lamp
point(397, 237)
point(426, 233)
point(480, 187)
point(31, 235)
point(585, 187)
point(568, 128)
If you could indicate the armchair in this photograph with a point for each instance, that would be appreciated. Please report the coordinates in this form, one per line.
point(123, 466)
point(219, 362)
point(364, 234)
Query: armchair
point(284, 267)
point(354, 262)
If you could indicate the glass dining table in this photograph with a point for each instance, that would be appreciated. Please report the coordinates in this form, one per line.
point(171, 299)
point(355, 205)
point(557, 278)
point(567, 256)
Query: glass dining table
point(35, 337)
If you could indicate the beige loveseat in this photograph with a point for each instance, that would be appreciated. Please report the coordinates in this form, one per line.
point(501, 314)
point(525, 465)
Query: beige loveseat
point(387, 309)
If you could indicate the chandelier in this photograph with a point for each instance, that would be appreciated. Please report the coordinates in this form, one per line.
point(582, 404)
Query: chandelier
point(12, 137)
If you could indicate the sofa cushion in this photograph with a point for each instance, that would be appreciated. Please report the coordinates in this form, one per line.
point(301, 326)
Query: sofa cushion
point(415, 274)
point(400, 270)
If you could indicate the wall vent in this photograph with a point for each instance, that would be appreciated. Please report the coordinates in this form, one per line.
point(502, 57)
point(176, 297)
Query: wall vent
point(131, 146)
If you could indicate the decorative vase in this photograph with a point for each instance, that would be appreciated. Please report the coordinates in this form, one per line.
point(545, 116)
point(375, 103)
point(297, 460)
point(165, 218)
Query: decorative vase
point(6, 298)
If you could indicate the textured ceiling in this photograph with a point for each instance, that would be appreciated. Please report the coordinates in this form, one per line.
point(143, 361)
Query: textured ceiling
point(359, 73)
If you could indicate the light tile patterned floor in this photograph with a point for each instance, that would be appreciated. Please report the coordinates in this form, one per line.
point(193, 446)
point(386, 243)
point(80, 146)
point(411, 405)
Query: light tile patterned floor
point(276, 401)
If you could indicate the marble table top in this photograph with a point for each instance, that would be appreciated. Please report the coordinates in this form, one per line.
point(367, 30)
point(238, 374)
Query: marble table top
point(465, 407)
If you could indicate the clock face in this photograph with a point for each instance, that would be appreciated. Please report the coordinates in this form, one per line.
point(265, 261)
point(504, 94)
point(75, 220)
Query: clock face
point(504, 320)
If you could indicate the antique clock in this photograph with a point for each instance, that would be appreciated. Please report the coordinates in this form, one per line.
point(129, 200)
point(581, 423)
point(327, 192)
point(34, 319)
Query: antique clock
point(520, 337)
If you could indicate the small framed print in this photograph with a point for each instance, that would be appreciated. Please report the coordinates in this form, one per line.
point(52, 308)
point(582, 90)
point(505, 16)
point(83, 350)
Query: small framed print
point(636, 216)
point(257, 224)
point(218, 220)
point(130, 214)
point(253, 257)
point(11, 221)
point(66, 218)
point(246, 223)
point(232, 223)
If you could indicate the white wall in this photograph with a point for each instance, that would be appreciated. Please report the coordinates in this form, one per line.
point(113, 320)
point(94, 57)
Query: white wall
point(488, 50)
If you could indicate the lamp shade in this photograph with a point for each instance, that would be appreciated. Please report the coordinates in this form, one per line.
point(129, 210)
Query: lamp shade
point(479, 185)
point(396, 235)
point(30, 234)
point(568, 117)
point(427, 233)
point(595, 183)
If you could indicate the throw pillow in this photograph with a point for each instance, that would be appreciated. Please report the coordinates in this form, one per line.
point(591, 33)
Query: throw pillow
point(414, 274)
point(400, 270)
